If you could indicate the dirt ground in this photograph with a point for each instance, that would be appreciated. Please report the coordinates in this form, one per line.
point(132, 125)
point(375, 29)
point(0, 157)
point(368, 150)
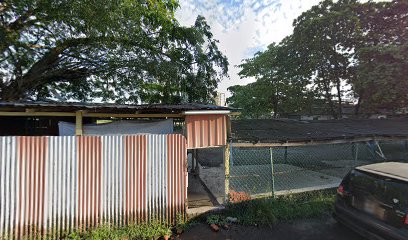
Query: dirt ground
point(312, 229)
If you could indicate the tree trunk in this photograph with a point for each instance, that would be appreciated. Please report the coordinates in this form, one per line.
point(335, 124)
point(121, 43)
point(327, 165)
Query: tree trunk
point(275, 103)
point(11, 92)
point(360, 99)
point(331, 105)
point(327, 89)
point(339, 99)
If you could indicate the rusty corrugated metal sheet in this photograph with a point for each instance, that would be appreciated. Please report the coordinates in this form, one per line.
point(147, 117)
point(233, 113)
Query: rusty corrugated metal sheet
point(50, 185)
point(32, 153)
point(206, 130)
point(89, 162)
point(135, 178)
point(176, 175)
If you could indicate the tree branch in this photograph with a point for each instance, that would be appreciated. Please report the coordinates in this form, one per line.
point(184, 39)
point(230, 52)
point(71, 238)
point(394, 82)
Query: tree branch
point(22, 22)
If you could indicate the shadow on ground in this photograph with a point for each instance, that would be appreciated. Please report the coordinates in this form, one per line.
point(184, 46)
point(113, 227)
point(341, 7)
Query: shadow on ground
point(310, 229)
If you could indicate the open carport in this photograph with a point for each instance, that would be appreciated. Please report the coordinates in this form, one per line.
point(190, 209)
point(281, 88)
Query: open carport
point(275, 157)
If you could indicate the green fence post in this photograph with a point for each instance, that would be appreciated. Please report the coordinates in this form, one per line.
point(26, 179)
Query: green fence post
point(273, 177)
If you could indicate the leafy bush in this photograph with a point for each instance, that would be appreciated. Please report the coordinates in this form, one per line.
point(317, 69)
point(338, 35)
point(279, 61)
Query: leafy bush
point(216, 219)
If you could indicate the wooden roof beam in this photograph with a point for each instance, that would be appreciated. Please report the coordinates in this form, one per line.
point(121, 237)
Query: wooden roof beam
point(32, 113)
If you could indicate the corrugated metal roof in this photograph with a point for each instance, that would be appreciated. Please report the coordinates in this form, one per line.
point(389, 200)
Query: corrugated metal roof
point(111, 107)
point(282, 130)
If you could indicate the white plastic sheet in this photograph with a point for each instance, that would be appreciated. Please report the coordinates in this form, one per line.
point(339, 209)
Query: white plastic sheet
point(119, 128)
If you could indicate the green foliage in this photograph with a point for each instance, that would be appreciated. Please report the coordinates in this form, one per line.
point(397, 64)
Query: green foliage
point(146, 231)
point(338, 50)
point(325, 38)
point(382, 75)
point(285, 208)
point(275, 92)
point(127, 51)
point(216, 219)
point(152, 230)
point(105, 232)
point(383, 78)
point(74, 236)
point(181, 222)
point(252, 99)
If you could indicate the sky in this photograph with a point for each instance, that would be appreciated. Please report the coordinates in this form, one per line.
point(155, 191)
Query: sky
point(243, 27)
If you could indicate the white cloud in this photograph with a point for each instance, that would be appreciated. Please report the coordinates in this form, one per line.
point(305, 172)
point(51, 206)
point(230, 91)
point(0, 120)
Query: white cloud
point(244, 26)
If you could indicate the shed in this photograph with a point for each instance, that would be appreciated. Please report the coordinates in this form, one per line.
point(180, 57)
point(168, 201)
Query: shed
point(106, 178)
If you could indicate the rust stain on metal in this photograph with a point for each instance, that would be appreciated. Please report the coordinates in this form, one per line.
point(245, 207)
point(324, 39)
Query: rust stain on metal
point(206, 130)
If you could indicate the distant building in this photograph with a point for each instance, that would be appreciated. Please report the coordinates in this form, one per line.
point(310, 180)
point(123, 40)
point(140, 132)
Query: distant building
point(220, 99)
point(318, 112)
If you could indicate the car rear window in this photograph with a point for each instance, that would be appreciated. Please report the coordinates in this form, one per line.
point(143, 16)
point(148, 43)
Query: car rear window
point(388, 189)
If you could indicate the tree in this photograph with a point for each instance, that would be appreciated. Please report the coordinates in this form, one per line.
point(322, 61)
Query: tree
point(382, 77)
point(126, 51)
point(356, 46)
point(278, 90)
point(253, 99)
point(325, 39)
point(338, 49)
point(382, 80)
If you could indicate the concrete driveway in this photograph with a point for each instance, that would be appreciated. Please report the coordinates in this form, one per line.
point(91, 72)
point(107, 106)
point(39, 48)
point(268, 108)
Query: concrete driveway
point(312, 229)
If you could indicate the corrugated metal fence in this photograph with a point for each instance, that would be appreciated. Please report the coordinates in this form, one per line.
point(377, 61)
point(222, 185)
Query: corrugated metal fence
point(50, 185)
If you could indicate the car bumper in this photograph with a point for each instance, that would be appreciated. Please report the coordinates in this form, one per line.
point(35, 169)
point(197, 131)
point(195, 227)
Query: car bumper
point(365, 225)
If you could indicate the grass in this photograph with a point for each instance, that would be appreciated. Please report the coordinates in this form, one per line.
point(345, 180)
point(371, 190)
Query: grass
point(258, 212)
point(142, 231)
point(269, 211)
point(149, 230)
point(152, 230)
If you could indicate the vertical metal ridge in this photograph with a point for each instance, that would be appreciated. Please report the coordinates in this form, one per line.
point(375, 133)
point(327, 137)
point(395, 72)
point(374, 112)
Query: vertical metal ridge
point(3, 184)
point(13, 159)
point(8, 187)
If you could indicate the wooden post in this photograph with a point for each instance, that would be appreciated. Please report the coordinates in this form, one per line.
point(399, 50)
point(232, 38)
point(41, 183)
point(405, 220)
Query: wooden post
point(227, 156)
point(78, 123)
point(227, 170)
point(356, 152)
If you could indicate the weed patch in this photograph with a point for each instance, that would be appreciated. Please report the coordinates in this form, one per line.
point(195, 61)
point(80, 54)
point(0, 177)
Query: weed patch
point(133, 231)
point(269, 211)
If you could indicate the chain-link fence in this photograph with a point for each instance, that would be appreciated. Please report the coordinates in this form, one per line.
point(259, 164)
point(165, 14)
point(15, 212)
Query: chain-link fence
point(283, 170)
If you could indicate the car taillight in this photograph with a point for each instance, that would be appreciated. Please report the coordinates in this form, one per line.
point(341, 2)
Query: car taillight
point(341, 191)
point(406, 219)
